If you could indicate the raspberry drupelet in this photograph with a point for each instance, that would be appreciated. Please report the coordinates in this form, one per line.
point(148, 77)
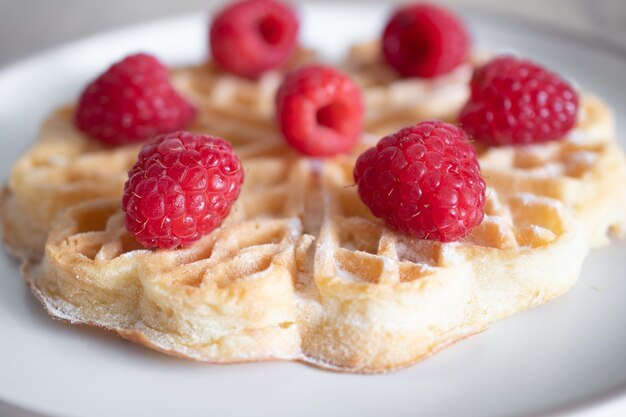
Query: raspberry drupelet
point(425, 181)
point(515, 101)
point(131, 102)
point(181, 187)
point(250, 37)
point(320, 110)
point(424, 40)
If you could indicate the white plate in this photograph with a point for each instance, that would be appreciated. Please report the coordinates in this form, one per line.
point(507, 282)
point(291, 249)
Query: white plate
point(559, 358)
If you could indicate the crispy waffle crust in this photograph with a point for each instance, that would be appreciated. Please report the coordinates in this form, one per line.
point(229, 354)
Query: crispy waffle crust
point(300, 270)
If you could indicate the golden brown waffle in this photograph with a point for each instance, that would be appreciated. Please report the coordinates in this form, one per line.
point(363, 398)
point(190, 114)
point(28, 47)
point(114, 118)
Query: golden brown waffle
point(63, 168)
point(301, 271)
point(586, 171)
point(232, 107)
point(392, 102)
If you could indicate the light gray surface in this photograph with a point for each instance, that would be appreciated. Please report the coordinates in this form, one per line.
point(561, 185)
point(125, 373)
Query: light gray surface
point(28, 26)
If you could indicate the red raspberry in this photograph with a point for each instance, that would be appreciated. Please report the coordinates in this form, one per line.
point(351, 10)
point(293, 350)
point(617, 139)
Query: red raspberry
point(515, 101)
point(424, 180)
point(320, 110)
point(424, 40)
point(181, 187)
point(250, 37)
point(132, 101)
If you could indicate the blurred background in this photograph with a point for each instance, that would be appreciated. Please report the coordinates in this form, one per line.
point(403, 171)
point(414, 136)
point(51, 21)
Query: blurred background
point(30, 26)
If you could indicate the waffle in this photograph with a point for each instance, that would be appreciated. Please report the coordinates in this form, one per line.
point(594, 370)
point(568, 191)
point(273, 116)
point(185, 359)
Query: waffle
point(233, 107)
point(65, 166)
point(392, 102)
point(586, 171)
point(301, 271)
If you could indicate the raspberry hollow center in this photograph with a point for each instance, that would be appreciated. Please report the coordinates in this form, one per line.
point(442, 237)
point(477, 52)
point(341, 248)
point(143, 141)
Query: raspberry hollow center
point(271, 30)
point(332, 116)
point(319, 110)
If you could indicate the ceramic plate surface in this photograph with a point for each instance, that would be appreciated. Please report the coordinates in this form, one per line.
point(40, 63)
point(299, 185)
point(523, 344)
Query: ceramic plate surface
point(564, 358)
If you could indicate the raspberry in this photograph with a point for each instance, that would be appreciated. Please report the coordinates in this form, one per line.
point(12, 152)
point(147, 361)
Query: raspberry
point(515, 101)
point(319, 110)
point(132, 101)
point(181, 187)
point(250, 37)
point(424, 40)
point(423, 180)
